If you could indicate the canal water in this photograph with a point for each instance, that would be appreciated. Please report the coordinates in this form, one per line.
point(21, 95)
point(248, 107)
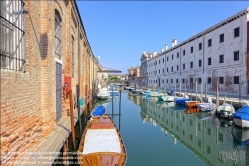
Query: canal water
point(158, 134)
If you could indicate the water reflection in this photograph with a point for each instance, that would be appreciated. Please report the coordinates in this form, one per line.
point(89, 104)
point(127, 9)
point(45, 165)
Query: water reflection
point(216, 141)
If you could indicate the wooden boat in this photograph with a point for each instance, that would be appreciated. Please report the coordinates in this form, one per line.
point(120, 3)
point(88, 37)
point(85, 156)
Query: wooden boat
point(241, 117)
point(209, 106)
point(191, 103)
point(101, 144)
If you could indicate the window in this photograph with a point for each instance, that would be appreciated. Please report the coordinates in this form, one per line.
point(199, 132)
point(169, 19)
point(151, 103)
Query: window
point(221, 80)
point(200, 62)
point(183, 52)
point(57, 35)
point(192, 49)
point(236, 32)
point(72, 62)
point(209, 80)
point(199, 80)
point(167, 81)
point(236, 80)
point(171, 80)
point(191, 65)
point(221, 58)
point(163, 60)
point(167, 58)
point(167, 70)
point(236, 55)
point(163, 70)
point(222, 38)
point(172, 56)
point(183, 66)
point(177, 55)
point(200, 46)
point(177, 67)
point(172, 68)
point(209, 61)
point(209, 42)
point(177, 81)
point(159, 71)
point(12, 35)
point(183, 80)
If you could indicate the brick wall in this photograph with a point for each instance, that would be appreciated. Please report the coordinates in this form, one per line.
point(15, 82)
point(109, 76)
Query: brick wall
point(28, 100)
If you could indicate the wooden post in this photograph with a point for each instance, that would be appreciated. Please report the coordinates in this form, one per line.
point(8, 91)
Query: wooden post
point(181, 89)
point(205, 91)
point(78, 108)
point(65, 152)
point(196, 90)
point(72, 120)
point(201, 92)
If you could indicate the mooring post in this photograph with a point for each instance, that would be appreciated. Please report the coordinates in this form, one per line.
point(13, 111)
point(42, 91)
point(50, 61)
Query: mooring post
point(72, 119)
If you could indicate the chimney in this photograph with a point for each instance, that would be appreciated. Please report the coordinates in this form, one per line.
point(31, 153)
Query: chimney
point(166, 47)
point(162, 50)
point(174, 43)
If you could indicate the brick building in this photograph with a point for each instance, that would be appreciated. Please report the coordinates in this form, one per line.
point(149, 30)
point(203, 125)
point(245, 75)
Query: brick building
point(41, 43)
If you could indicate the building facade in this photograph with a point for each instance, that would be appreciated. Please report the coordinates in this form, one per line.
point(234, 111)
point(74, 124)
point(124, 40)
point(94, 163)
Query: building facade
point(218, 53)
point(42, 43)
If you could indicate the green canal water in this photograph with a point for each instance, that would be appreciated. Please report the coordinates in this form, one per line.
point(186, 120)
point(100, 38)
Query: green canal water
point(160, 134)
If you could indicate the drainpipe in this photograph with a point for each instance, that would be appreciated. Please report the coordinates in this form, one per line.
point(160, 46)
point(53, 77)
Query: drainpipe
point(78, 86)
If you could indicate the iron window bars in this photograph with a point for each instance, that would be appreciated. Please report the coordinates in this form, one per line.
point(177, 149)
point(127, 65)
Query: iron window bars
point(12, 35)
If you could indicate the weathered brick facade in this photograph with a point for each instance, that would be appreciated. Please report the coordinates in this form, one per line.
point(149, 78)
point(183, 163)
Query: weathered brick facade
point(28, 100)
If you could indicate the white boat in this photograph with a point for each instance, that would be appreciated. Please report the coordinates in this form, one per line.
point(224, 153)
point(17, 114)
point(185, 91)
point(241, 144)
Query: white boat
point(206, 106)
point(103, 93)
point(241, 136)
point(241, 117)
point(225, 110)
point(167, 98)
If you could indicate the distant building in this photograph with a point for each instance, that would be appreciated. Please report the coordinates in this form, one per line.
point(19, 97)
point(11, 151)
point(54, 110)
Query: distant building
point(218, 53)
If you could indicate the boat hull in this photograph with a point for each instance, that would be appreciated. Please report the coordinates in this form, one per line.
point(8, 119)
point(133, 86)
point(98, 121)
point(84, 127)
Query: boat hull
point(241, 123)
point(191, 103)
point(206, 106)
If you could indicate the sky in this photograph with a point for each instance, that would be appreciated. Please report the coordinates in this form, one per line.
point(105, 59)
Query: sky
point(119, 31)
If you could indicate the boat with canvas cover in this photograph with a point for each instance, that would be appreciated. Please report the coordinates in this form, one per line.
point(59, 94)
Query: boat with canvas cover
point(225, 110)
point(98, 111)
point(241, 117)
point(101, 144)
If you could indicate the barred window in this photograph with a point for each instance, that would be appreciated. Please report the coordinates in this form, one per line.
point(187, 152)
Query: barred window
point(12, 35)
point(57, 35)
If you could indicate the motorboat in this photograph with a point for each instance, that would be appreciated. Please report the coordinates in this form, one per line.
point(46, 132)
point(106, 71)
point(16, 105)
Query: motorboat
point(103, 93)
point(182, 100)
point(240, 135)
point(191, 103)
point(166, 98)
point(241, 117)
point(206, 106)
point(101, 144)
point(225, 110)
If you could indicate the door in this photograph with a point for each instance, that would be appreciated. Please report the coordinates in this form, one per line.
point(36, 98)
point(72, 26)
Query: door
point(58, 91)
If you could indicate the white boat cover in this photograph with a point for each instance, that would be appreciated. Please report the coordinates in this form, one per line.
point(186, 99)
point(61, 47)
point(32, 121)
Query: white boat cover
point(101, 140)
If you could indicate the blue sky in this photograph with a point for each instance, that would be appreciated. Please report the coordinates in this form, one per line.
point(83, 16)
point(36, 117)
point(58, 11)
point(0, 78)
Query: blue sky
point(119, 31)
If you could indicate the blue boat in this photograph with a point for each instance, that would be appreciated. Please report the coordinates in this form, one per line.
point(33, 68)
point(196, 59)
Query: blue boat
point(181, 100)
point(241, 117)
point(113, 93)
point(99, 111)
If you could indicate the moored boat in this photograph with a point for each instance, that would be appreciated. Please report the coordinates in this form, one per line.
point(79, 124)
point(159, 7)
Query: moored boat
point(191, 103)
point(225, 110)
point(98, 111)
point(182, 100)
point(240, 135)
point(241, 117)
point(101, 144)
point(206, 106)
point(166, 98)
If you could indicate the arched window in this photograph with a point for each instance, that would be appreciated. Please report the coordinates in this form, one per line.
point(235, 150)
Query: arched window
point(57, 35)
